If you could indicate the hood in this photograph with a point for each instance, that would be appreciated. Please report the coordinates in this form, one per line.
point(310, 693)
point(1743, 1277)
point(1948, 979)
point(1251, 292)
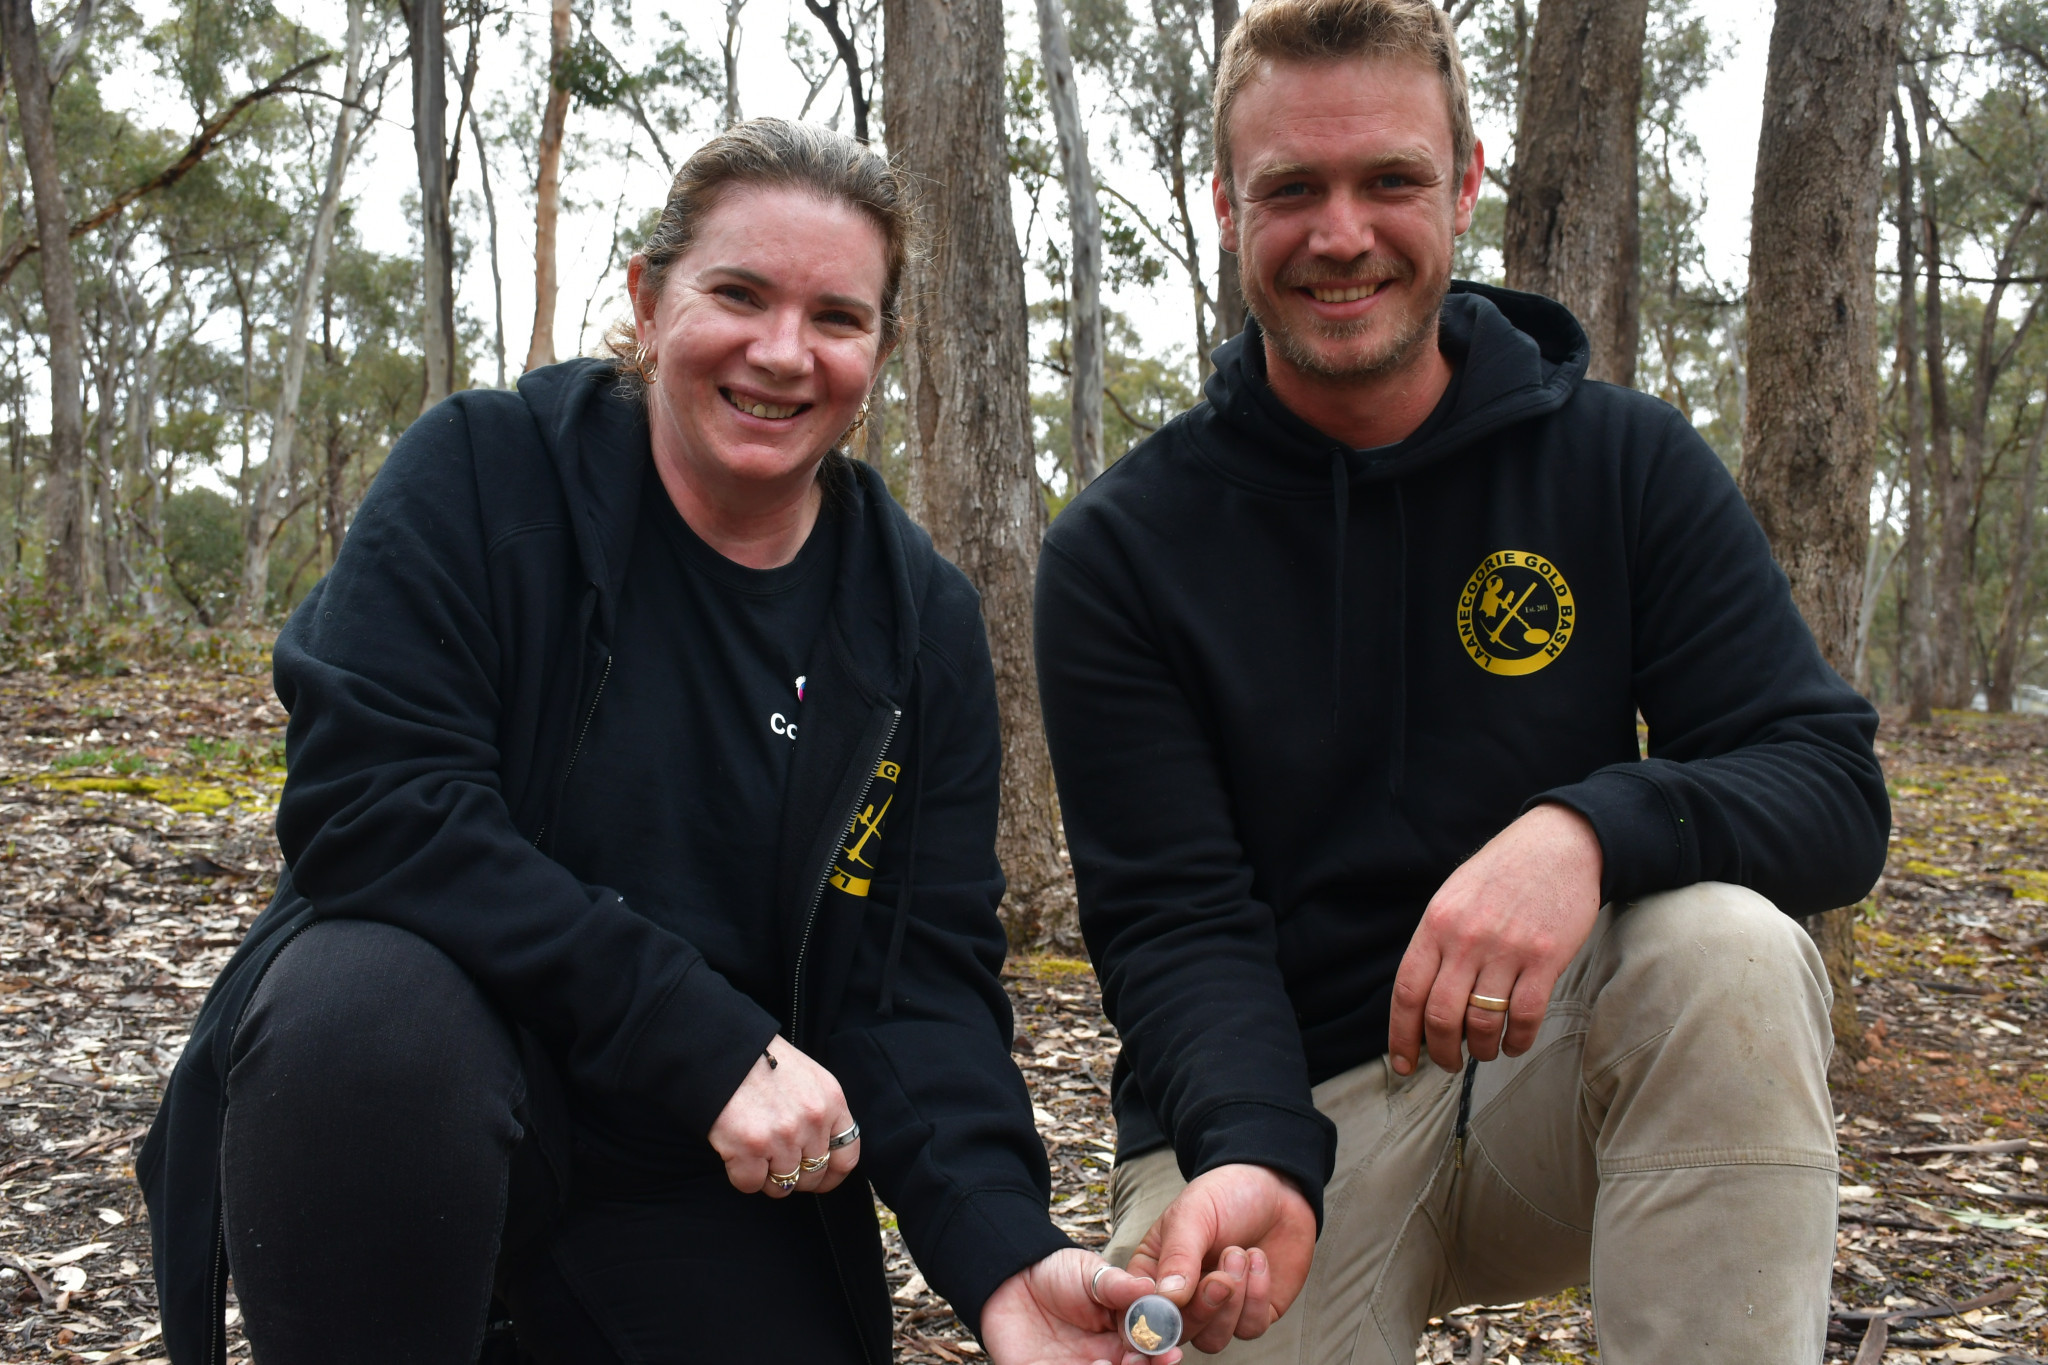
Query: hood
point(597, 438)
point(1518, 356)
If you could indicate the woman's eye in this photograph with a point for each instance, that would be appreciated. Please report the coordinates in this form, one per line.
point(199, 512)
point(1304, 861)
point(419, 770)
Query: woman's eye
point(738, 293)
point(839, 319)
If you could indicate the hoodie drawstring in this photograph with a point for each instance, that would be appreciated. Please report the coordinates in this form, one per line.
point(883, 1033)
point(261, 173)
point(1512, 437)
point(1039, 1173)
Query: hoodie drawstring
point(1340, 501)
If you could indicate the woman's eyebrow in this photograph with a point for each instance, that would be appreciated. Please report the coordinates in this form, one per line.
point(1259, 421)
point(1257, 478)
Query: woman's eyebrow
point(760, 281)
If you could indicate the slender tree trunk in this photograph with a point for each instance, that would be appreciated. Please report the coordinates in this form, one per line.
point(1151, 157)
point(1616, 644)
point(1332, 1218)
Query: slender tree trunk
point(1572, 228)
point(1810, 431)
point(259, 528)
point(548, 191)
point(1951, 657)
point(64, 511)
point(1229, 289)
point(972, 477)
point(2015, 616)
point(426, 21)
point(1084, 216)
point(730, 50)
point(1916, 647)
point(483, 174)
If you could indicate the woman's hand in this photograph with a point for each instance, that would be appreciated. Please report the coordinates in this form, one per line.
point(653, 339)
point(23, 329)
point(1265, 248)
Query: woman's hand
point(1045, 1315)
point(784, 1113)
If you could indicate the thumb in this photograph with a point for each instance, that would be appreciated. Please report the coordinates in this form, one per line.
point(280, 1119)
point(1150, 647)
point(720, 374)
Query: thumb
point(1186, 1232)
point(1118, 1289)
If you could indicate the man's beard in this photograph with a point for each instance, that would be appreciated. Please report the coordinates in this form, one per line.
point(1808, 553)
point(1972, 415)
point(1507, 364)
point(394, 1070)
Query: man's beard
point(1392, 355)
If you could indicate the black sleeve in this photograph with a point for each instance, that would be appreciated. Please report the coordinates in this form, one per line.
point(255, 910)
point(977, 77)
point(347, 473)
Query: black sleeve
point(947, 1137)
point(1188, 957)
point(1760, 771)
point(393, 809)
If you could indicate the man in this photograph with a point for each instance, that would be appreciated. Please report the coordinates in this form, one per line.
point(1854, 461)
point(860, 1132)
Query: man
point(1342, 672)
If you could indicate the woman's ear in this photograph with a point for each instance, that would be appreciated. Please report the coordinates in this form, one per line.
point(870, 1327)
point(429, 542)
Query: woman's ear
point(643, 316)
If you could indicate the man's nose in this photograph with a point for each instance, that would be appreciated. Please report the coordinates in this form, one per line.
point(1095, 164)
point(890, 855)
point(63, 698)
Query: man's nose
point(1344, 230)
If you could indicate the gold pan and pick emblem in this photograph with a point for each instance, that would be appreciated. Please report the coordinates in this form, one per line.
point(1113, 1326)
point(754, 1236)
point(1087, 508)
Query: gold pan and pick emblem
point(1515, 613)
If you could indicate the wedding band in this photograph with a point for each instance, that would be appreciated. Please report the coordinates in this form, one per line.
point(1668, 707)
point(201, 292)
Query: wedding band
point(1492, 1004)
point(1095, 1280)
point(845, 1139)
point(787, 1182)
point(817, 1163)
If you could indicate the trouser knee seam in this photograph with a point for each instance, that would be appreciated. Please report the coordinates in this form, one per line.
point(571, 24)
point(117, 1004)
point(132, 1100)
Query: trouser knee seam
point(1708, 1157)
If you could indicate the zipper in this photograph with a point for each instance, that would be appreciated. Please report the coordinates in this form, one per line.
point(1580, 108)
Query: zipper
point(803, 946)
point(577, 752)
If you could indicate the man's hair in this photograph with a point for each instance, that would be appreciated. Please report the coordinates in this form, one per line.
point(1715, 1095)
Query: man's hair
point(1326, 30)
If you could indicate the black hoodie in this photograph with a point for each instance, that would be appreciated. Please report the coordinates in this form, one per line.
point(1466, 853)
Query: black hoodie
point(437, 681)
point(1290, 686)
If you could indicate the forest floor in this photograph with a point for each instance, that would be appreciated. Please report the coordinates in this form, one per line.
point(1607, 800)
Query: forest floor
point(136, 846)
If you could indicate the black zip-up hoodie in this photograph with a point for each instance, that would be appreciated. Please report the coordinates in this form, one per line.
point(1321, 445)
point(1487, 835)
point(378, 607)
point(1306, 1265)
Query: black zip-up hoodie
point(437, 682)
point(1290, 685)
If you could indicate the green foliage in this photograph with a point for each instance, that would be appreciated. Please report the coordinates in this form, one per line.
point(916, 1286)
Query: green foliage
point(203, 551)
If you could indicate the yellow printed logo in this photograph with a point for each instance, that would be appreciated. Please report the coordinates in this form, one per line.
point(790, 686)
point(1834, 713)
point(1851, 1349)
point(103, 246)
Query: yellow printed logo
point(855, 873)
point(1516, 613)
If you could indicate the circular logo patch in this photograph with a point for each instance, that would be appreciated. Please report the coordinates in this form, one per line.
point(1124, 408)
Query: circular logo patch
point(1515, 614)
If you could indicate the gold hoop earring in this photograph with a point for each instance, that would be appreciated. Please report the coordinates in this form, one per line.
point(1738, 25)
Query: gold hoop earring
point(642, 365)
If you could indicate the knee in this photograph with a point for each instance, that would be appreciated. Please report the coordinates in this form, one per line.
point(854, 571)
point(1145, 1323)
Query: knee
point(355, 1010)
point(1713, 948)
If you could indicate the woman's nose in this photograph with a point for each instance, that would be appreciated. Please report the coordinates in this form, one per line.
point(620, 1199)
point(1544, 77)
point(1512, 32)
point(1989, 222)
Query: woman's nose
point(780, 348)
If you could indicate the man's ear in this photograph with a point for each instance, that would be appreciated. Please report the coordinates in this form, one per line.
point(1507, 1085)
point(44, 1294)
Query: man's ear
point(1226, 214)
point(1468, 189)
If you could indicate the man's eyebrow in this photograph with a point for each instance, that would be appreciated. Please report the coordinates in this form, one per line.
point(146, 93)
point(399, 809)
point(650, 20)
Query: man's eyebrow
point(760, 281)
point(1402, 157)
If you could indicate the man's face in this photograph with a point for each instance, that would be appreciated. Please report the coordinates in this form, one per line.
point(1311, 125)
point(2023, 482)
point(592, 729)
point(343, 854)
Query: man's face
point(1346, 207)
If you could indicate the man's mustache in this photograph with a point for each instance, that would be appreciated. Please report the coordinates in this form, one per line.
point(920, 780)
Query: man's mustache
point(1363, 270)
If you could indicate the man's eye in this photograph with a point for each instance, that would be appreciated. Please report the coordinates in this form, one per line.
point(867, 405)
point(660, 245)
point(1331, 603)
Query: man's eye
point(1293, 189)
point(1393, 181)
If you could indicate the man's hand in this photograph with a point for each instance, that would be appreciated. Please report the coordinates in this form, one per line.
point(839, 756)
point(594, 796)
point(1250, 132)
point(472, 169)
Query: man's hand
point(1506, 924)
point(780, 1115)
point(1045, 1314)
point(1232, 1250)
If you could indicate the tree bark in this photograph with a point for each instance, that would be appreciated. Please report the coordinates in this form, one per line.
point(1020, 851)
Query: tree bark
point(64, 492)
point(730, 50)
point(1810, 431)
point(1229, 289)
point(540, 350)
point(1084, 216)
point(260, 526)
point(426, 22)
point(1916, 647)
point(1572, 230)
point(972, 477)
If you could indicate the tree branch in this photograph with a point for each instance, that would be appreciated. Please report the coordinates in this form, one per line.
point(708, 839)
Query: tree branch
point(203, 142)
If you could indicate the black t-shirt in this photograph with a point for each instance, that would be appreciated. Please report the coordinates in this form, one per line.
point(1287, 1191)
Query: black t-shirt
point(675, 801)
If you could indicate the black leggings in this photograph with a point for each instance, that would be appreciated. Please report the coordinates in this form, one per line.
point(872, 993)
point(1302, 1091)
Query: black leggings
point(382, 1183)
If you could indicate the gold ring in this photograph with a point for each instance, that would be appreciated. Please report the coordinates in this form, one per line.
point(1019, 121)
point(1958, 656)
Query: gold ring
point(787, 1182)
point(817, 1163)
point(1492, 1004)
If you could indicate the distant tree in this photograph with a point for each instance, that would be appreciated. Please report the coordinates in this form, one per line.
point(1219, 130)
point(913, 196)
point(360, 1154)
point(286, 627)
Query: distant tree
point(1084, 217)
point(973, 483)
point(547, 196)
point(426, 23)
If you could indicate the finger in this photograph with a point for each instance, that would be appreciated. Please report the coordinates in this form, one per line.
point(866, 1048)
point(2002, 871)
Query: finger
point(1484, 1027)
point(783, 1158)
point(747, 1173)
point(1145, 1260)
point(1444, 1016)
point(1186, 1232)
point(1219, 1300)
point(1118, 1289)
point(1411, 991)
point(1257, 1314)
point(1526, 1008)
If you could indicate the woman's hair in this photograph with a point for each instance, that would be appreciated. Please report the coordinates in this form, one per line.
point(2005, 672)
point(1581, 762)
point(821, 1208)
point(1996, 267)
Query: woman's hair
point(773, 153)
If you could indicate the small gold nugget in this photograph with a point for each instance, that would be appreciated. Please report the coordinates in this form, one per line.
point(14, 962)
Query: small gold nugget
point(1144, 1336)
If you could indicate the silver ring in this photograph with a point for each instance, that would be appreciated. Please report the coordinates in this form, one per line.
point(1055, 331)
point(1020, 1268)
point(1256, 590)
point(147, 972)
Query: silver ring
point(845, 1139)
point(1095, 1282)
point(817, 1163)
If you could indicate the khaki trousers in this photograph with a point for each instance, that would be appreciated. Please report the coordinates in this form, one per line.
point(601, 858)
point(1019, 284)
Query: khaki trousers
point(1669, 1138)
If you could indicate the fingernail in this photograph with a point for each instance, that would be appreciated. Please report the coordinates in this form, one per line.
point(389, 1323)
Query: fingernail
point(1173, 1284)
point(1402, 1066)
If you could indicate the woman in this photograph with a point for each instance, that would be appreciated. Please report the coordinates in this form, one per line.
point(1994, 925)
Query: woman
point(640, 884)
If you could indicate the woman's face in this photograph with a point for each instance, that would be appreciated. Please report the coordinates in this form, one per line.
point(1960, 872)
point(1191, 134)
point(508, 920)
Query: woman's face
point(764, 339)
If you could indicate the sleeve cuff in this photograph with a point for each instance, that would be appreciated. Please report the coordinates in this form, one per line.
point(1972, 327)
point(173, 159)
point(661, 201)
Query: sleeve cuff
point(1300, 1146)
point(1644, 846)
point(699, 1046)
point(990, 1237)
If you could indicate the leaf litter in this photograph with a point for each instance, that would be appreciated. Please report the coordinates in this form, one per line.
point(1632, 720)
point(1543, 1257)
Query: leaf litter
point(136, 846)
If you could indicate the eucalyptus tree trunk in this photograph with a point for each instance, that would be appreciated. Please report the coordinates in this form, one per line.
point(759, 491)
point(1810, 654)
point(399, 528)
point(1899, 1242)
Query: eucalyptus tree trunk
point(1952, 499)
point(64, 511)
point(1084, 216)
point(2015, 616)
point(260, 526)
point(1915, 644)
point(729, 112)
point(426, 22)
point(540, 350)
point(973, 481)
point(1229, 289)
point(1572, 231)
point(1810, 430)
